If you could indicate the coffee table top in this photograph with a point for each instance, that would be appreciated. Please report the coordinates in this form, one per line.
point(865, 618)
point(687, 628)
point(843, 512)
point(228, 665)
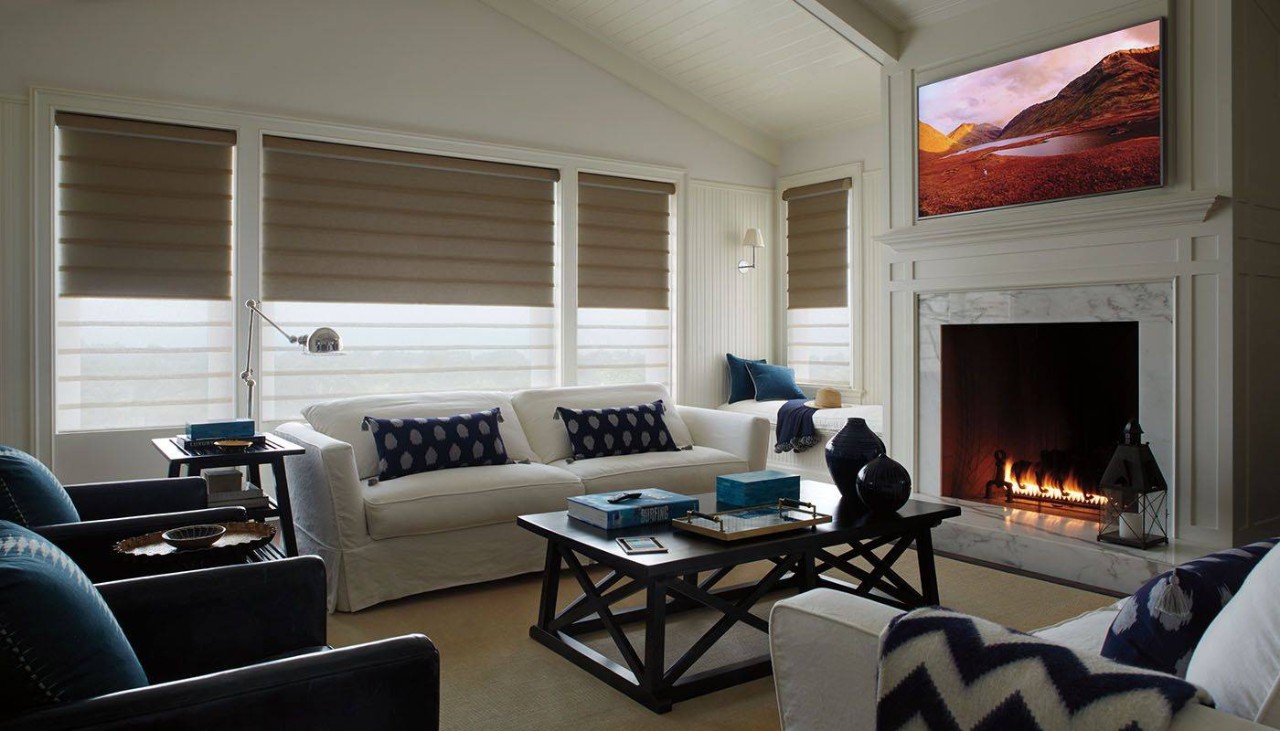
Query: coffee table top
point(689, 552)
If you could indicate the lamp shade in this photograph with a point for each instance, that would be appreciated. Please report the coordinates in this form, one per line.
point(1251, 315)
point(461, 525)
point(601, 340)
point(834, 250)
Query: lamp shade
point(753, 237)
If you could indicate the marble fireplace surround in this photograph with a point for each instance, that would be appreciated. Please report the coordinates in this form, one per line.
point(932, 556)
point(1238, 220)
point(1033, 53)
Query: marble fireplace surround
point(1053, 545)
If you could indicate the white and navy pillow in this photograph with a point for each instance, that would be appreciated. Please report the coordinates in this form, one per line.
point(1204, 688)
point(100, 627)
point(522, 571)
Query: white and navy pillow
point(612, 431)
point(410, 446)
point(1160, 625)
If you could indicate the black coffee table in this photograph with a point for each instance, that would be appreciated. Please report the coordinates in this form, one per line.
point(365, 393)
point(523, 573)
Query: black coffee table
point(687, 577)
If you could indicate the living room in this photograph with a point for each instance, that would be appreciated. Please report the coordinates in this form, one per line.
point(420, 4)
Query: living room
point(838, 256)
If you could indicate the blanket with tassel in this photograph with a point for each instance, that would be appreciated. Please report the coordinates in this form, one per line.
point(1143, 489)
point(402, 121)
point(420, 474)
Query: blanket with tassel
point(795, 431)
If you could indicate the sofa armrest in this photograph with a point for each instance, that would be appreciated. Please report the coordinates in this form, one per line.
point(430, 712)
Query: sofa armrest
point(389, 684)
point(324, 487)
point(96, 501)
point(825, 646)
point(743, 435)
point(198, 622)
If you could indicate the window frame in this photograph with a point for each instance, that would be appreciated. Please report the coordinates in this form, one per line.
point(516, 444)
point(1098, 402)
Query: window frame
point(854, 391)
point(250, 128)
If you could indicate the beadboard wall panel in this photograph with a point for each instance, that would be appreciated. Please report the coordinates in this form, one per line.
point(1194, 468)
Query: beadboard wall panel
point(724, 311)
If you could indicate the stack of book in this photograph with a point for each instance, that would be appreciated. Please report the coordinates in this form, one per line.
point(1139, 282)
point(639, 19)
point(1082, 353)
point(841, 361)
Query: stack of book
point(649, 506)
point(186, 442)
point(249, 497)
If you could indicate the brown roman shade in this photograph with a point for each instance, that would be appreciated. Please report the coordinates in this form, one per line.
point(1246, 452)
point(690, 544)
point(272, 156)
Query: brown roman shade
point(344, 223)
point(144, 209)
point(818, 244)
point(624, 230)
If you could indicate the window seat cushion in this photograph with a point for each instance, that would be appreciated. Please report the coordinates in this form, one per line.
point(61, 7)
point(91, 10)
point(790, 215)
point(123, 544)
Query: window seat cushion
point(824, 419)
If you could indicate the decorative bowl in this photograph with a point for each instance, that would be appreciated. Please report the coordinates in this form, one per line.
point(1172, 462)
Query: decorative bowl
point(194, 536)
point(233, 445)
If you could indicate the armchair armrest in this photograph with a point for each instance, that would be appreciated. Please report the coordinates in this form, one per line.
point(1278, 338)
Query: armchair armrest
point(825, 646)
point(744, 435)
point(197, 622)
point(391, 684)
point(95, 501)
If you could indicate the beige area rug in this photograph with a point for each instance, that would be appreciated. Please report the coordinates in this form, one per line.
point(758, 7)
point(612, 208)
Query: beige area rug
point(495, 678)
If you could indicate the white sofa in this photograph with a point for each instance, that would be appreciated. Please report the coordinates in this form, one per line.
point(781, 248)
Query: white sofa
point(825, 646)
point(384, 540)
point(810, 463)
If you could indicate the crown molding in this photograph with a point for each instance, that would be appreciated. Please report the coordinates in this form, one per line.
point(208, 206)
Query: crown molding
point(586, 46)
point(1167, 209)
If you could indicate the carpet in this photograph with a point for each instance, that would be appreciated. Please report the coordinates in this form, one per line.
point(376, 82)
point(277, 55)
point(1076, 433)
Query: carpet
point(495, 678)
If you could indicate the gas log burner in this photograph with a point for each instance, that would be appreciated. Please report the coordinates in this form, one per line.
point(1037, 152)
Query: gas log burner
point(1051, 481)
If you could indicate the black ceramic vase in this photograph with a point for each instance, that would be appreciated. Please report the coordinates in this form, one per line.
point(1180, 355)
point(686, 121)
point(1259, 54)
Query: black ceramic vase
point(849, 451)
point(884, 485)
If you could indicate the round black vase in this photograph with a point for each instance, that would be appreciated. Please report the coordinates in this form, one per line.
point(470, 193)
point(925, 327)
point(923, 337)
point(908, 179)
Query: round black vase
point(884, 485)
point(849, 451)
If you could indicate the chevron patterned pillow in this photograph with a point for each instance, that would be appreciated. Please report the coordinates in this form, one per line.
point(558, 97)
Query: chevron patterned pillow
point(945, 670)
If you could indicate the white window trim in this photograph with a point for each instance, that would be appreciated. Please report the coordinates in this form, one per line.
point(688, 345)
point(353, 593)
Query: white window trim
point(247, 215)
point(855, 391)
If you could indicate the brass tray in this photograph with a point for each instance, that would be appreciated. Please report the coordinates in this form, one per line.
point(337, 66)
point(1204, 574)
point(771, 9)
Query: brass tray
point(735, 525)
point(240, 537)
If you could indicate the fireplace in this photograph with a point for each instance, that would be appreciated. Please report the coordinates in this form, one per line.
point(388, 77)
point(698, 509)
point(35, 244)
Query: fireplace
point(1031, 413)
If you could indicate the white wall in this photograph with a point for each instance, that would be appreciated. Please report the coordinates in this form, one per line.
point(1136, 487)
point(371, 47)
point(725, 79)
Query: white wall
point(863, 143)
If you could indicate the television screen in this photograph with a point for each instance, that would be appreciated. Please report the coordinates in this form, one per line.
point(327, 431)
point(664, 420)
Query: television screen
point(1078, 120)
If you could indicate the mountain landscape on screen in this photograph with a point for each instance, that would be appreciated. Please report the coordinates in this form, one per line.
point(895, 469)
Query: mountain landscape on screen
point(1078, 120)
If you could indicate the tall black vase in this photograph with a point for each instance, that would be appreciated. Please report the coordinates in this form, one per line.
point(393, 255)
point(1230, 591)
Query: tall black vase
point(849, 451)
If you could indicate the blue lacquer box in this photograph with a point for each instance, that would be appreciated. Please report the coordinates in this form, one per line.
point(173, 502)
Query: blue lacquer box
point(229, 429)
point(755, 488)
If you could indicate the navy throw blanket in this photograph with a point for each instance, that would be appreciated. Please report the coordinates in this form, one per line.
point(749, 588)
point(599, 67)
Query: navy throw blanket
point(795, 427)
point(944, 671)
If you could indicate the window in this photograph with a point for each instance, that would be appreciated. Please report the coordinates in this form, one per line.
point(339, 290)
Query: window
point(143, 260)
point(437, 271)
point(624, 272)
point(818, 312)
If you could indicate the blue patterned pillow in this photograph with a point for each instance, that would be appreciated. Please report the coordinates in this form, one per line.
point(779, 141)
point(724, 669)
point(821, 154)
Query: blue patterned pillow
point(29, 493)
point(60, 642)
point(410, 446)
point(612, 431)
point(741, 388)
point(773, 382)
point(1160, 625)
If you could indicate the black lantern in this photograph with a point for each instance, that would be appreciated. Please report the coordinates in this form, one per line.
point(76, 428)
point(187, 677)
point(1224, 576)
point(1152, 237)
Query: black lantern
point(1135, 493)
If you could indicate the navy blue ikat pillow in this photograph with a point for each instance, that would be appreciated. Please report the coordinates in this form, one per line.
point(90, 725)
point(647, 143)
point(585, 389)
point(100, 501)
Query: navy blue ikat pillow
point(410, 446)
point(616, 430)
point(1159, 627)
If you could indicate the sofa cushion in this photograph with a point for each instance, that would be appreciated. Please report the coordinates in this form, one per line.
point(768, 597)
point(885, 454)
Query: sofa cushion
point(342, 419)
point(60, 641)
point(431, 502)
point(29, 493)
point(537, 410)
point(612, 431)
point(1238, 659)
point(688, 471)
point(1083, 633)
point(413, 445)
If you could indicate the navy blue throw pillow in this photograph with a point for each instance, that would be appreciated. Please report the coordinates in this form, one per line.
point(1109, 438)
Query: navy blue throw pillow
point(741, 387)
point(410, 446)
point(60, 641)
point(773, 382)
point(1160, 625)
point(29, 493)
point(612, 431)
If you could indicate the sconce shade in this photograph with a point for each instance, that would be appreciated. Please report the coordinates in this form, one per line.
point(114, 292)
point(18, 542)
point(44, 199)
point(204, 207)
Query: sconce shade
point(753, 237)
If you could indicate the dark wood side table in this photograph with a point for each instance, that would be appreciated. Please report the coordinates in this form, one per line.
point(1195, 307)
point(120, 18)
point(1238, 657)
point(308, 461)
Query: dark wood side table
point(272, 452)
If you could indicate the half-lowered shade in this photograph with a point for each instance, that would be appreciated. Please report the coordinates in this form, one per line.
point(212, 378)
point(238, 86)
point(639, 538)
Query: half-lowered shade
point(818, 244)
point(623, 242)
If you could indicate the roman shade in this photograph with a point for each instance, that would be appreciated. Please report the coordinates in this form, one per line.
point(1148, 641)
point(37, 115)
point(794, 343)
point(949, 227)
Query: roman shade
point(144, 209)
point(818, 244)
point(344, 223)
point(623, 242)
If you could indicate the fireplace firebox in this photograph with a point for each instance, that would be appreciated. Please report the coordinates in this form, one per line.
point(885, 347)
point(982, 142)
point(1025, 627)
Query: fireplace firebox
point(1031, 412)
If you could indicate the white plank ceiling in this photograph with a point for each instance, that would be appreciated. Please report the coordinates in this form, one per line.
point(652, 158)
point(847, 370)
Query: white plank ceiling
point(904, 14)
point(767, 63)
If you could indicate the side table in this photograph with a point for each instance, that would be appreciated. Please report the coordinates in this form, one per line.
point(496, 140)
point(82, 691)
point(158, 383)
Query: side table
point(271, 452)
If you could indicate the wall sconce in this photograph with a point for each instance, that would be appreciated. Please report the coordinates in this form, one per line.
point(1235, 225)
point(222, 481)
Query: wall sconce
point(753, 239)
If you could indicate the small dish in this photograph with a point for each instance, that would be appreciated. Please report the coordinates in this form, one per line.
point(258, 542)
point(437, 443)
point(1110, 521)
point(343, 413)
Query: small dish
point(233, 445)
point(194, 536)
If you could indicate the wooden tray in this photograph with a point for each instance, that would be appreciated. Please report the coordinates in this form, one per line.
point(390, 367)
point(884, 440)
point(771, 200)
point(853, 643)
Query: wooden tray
point(240, 537)
point(735, 525)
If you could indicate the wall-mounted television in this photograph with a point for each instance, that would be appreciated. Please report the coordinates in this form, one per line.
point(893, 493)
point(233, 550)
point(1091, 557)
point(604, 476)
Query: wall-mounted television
point(1078, 120)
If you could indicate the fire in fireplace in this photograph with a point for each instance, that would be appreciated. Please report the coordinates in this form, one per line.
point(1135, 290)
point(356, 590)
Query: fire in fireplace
point(1030, 413)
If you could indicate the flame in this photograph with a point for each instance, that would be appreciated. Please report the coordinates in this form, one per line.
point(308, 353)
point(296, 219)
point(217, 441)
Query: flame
point(1069, 490)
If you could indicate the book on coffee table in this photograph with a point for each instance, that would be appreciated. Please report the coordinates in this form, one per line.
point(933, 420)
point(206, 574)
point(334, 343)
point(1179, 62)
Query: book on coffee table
point(652, 506)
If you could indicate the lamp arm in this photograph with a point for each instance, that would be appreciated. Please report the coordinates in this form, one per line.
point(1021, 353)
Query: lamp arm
point(255, 306)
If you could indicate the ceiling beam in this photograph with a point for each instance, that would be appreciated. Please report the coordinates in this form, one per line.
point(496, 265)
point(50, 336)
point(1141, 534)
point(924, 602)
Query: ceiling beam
point(588, 47)
point(860, 25)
